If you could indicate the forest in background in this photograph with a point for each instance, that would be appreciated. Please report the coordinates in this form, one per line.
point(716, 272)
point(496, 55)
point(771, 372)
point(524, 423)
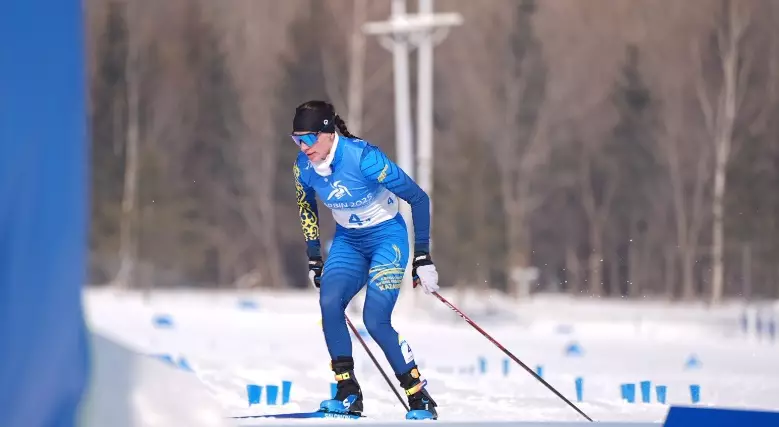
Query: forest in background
point(624, 148)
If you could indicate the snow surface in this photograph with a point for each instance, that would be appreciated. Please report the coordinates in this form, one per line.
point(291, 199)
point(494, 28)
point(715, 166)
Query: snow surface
point(229, 344)
point(132, 390)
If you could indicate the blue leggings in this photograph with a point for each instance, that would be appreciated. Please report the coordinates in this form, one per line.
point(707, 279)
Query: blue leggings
point(378, 256)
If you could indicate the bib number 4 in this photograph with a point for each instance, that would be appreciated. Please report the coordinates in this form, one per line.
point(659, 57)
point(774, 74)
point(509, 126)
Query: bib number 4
point(354, 219)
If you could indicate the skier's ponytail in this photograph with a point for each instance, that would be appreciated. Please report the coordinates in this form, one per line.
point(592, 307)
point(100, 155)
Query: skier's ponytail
point(341, 125)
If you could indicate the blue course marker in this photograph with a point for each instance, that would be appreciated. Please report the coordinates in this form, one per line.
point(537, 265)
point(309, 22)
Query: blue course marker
point(661, 391)
point(629, 392)
point(646, 391)
point(271, 394)
point(286, 388)
point(254, 392)
point(695, 393)
point(579, 383)
point(540, 370)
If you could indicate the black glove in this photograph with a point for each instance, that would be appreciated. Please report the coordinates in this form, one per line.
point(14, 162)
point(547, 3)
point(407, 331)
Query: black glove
point(315, 266)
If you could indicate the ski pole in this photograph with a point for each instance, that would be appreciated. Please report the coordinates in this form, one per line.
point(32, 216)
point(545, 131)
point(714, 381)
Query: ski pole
point(508, 353)
point(375, 362)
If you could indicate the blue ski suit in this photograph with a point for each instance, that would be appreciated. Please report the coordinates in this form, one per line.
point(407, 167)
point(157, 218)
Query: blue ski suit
point(370, 244)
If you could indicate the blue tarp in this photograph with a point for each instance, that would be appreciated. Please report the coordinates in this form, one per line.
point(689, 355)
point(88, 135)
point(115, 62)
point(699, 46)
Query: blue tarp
point(699, 416)
point(43, 212)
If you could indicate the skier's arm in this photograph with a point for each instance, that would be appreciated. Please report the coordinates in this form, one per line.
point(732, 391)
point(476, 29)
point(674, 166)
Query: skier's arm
point(377, 167)
point(309, 215)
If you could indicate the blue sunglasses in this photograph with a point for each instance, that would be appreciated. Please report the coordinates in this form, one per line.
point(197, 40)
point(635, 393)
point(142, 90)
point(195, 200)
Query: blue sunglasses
point(306, 138)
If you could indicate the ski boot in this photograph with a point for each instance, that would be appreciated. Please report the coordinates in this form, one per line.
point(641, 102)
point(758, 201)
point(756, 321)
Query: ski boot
point(348, 397)
point(421, 405)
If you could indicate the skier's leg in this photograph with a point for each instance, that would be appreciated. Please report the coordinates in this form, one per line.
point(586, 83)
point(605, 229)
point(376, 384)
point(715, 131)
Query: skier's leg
point(385, 276)
point(343, 275)
point(384, 279)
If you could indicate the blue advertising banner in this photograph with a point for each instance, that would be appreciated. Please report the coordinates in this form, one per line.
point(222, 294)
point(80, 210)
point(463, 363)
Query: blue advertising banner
point(43, 212)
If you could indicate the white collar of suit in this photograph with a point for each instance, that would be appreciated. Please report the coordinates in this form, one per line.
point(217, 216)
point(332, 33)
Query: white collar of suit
point(323, 168)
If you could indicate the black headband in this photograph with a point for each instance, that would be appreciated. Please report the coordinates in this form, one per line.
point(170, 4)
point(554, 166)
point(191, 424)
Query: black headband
point(313, 120)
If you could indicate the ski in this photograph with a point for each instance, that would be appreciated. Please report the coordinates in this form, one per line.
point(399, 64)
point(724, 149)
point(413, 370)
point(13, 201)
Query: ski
point(314, 414)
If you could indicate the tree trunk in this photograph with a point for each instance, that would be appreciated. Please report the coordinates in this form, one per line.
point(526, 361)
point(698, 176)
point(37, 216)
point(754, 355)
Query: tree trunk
point(746, 272)
point(272, 265)
point(128, 238)
point(635, 269)
point(718, 232)
point(356, 69)
point(271, 259)
point(573, 270)
point(518, 258)
point(596, 259)
point(721, 117)
point(615, 284)
point(688, 270)
point(670, 272)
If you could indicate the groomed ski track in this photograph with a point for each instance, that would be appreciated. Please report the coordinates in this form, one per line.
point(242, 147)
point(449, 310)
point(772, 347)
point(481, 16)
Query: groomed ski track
point(217, 344)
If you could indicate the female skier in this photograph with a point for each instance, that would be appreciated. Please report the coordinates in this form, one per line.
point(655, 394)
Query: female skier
point(360, 185)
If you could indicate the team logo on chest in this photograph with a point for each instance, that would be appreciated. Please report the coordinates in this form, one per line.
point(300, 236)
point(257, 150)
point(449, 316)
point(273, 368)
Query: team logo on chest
point(339, 190)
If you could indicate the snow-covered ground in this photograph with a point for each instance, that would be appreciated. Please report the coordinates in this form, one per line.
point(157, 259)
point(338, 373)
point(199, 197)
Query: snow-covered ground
point(229, 345)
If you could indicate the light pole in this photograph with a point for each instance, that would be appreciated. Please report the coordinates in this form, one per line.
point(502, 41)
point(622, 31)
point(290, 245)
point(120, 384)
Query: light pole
point(399, 34)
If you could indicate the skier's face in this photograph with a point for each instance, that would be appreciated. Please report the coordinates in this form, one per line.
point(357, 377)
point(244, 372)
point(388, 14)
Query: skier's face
point(316, 149)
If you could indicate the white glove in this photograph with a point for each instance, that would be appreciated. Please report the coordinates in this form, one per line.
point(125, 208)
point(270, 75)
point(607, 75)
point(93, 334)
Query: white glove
point(424, 273)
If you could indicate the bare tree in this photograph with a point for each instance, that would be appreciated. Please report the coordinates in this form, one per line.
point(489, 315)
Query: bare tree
point(720, 99)
point(356, 68)
point(680, 146)
point(583, 46)
point(598, 183)
point(246, 24)
point(688, 166)
point(352, 78)
point(369, 69)
point(128, 246)
point(157, 93)
point(521, 147)
point(96, 15)
point(502, 74)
